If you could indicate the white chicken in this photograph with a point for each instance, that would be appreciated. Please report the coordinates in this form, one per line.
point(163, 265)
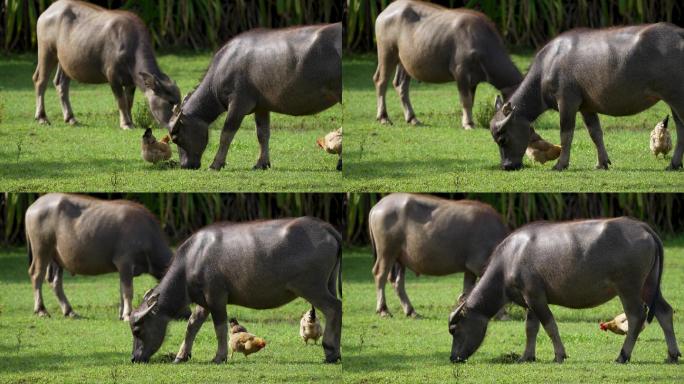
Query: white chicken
point(310, 326)
point(661, 142)
point(618, 325)
point(332, 143)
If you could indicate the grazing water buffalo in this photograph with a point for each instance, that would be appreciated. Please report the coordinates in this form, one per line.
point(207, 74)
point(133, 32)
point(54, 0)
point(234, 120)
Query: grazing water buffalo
point(294, 71)
point(430, 236)
point(261, 265)
point(615, 71)
point(578, 264)
point(437, 45)
point(94, 45)
point(87, 236)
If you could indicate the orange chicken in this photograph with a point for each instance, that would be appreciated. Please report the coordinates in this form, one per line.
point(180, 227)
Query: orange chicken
point(310, 326)
point(541, 150)
point(332, 143)
point(154, 151)
point(618, 325)
point(661, 142)
point(245, 343)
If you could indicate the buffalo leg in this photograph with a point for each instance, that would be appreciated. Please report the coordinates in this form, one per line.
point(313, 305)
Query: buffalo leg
point(636, 316)
point(199, 315)
point(401, 83)
point(467, 93)
point(37, 272)
point(217, 308)
point(531, 331)
point(591, 120)
point(540, 307)
point(469, 280)
point(387, 62)
point(47, 60)
point(58, 288)
point(125, 119)
point(663, 312)
point(62, 82)
point(130, 94)
point(236, 113)
point(126, 289)
point(400, 288)
point(263, 132)
point(381, 270)
point(676, 161)
point(567, 128)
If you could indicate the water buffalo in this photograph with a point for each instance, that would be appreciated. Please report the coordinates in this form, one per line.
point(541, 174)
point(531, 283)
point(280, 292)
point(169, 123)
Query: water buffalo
point(294, 71)
point(578, 264)
point(261, 265)
point(430, 236)
point(437, 45)
point(615, 71)
point(94, 45)
point(87, 236)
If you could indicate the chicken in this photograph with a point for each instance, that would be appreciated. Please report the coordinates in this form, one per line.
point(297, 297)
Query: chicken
point(618, 325)
point(246, 343)
point(235, 327)
point(541, 150)
point(310, 326)
point(154, 151)
point(332, 143)
point(661, 142)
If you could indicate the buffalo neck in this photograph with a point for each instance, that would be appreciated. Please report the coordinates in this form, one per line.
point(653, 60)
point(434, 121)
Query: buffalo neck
point(489, 295)
point(173, 291)
point(503, 74)
point(528, 99)
point(203, 104)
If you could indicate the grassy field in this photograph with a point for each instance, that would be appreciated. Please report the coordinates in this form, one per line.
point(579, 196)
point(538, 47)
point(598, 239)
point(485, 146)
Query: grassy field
point(97, 348)
point(98, 156)
point(402, 350)
point(441, 156)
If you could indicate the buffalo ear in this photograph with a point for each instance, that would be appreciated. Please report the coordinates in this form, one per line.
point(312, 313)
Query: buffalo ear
point(498, 102)
point(150, 304)
point(150, 81)
point(507, 109)
point(458, 312)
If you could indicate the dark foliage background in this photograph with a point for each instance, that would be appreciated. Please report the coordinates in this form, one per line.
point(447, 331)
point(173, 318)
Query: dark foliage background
point(528, 23)
point(195, 24)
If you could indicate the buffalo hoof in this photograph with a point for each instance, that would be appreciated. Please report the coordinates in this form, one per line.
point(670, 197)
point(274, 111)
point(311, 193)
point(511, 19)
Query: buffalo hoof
point(526, 359)
point(414, 315)
point(332, 359)
point(560, 358)
point(125, 318)
point(42, 313)
point(468, 127)
point(673, 358)
point(73, 315)
point(219, 359)
point(43, 120)
point(181, 359)
point(71, 121)
point(673, 167)
point(262, 166)
point(384, 120)
point(384, 313)
point(560, 167)
point(414, 121)
point(216, 166)
point(622, 358)
point(127, 127)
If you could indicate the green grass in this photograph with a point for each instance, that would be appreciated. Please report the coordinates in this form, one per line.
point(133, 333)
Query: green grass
point(99, 156)
point(404, 350)
point(441, 156)
point(97, 348)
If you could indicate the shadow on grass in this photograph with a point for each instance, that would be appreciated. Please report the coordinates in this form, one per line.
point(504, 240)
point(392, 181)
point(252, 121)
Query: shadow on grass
point(31, 169)
point(42, 361)
point(381, 361)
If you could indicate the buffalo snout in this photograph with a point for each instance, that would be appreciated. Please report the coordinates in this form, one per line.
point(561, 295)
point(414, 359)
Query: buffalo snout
point(511, 166)
point(457, 359)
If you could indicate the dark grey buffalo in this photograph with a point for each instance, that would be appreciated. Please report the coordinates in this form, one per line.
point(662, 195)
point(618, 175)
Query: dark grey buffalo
point(94, 45)
point(430, 236)
point(577, 264)
point(87, 236)
point(295, 71)
point(616, 71)
point(438, 45)
point(261, 265)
